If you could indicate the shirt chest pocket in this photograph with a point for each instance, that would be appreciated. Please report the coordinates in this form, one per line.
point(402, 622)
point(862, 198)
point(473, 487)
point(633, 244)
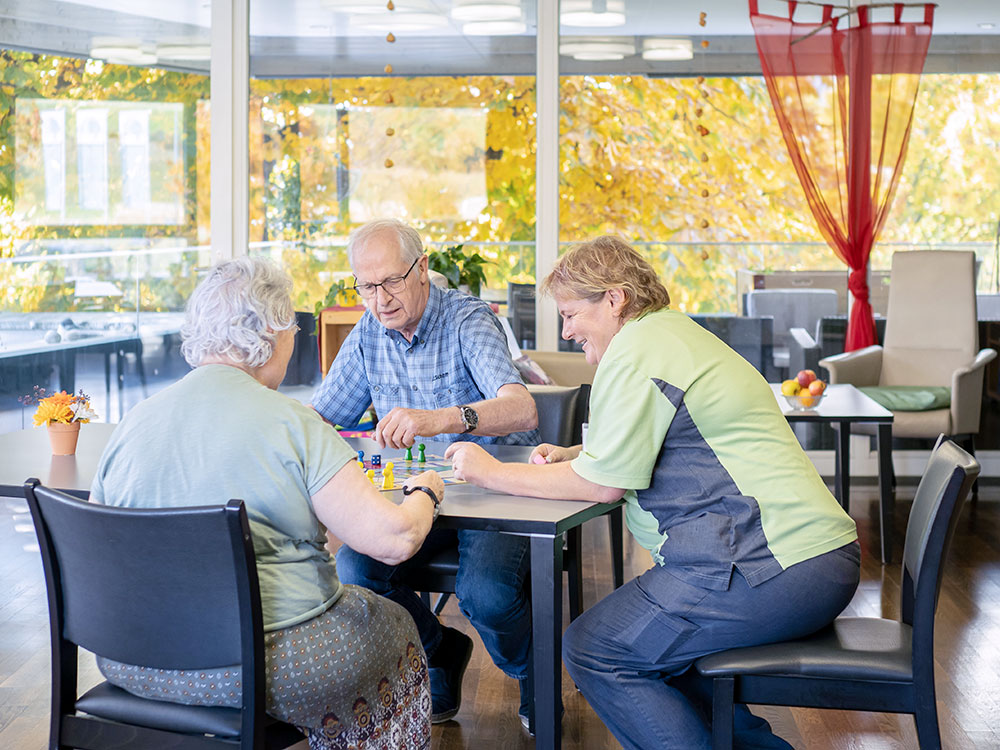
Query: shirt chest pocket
point(450, 392)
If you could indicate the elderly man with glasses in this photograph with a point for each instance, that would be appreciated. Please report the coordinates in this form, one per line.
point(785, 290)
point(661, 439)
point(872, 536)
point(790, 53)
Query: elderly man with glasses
point(435, 364)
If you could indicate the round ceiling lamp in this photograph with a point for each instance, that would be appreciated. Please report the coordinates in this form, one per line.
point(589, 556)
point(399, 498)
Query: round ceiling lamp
point(596, 48)
point(121, 50)
point(493, 10)
point(592, 13)
point(667, 49)
point(401, 22)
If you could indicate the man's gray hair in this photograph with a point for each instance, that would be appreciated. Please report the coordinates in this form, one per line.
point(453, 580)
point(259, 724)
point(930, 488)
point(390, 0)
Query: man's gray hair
point(408, 239)
point(236, 312)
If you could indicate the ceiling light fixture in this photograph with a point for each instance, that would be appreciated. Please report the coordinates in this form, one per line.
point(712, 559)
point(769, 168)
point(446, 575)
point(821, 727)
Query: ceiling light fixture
point(596, 48)
point(121, 50)
point(667, 49)
point(592, 13)
point(987, 25)
point(494, 10)
point(397, 21)
point(494, 28)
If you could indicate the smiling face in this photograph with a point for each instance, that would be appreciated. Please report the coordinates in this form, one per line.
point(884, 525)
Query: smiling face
point(381, 259)
point(592, 323)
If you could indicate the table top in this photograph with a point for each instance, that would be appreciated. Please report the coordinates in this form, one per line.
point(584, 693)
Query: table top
point(842, 403)
point(27, 454)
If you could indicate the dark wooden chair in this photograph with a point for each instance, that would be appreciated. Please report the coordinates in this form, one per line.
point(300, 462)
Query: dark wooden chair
point(167, 588)
point(862, 663)
point(562, 410)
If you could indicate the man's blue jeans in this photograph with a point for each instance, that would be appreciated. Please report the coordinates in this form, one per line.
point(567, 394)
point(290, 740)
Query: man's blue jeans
point(628, 654)
point(492, 571)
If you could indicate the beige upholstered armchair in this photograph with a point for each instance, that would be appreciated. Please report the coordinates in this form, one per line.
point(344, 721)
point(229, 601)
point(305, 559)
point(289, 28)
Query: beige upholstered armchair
point(930, 340)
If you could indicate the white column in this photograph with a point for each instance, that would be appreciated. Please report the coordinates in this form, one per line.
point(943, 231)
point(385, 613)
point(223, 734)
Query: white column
point(230, 124)
point(547, 168)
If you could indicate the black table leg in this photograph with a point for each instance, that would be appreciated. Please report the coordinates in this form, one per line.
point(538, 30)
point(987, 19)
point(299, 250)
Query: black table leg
point(546, 629)
point(886, 499)
point(617, 547)
point(842, 464)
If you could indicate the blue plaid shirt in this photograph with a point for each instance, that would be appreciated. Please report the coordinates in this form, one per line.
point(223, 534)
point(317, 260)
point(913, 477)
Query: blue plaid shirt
point(458, 355)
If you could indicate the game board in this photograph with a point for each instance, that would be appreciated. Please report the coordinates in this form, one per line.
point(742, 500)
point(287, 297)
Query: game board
point(403, 470)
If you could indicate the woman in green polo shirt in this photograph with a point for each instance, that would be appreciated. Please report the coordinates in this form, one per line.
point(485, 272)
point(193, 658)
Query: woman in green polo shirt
point(748, 546)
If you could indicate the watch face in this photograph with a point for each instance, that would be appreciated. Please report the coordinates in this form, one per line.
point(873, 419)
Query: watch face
point(470, 418)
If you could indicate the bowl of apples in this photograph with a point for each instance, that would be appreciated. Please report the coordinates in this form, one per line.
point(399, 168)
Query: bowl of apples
point(804, 391)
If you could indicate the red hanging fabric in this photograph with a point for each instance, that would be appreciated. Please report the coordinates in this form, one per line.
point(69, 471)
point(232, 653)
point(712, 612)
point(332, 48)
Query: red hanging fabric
point(844, 100)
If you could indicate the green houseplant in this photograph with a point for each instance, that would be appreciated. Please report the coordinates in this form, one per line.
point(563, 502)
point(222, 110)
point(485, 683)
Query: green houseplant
point(341, 293)
point(458, 268)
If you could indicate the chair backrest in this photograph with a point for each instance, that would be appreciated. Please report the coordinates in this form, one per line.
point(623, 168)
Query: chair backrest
point(751, 338)
point(562, 410)
point(943, 488)
point(521, 312)
point(172, 588)
point(931, 325)
point(791, 308)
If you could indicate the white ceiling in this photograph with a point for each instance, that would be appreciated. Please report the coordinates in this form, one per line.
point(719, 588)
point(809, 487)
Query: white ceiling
point(315, 37)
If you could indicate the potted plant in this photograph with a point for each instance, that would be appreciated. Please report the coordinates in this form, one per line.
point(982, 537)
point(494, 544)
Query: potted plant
point(62, 413)
point(340, 294)
point(458, 268)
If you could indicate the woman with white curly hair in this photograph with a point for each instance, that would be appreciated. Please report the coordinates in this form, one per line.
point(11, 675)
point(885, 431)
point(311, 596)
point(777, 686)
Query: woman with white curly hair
point(343, 664)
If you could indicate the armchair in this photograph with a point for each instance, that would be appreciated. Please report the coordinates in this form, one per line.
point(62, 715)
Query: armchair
point(931, 339)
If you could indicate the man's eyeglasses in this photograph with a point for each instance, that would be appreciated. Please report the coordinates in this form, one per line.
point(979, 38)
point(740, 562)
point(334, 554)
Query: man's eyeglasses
point(392, 285)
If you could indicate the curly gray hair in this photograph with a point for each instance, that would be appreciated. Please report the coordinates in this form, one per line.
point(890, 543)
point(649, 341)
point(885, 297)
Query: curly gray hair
point(411, 246)
point(236, 311)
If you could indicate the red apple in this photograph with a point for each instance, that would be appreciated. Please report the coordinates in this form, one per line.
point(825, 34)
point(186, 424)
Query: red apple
point(817, 387)
point(805, 377)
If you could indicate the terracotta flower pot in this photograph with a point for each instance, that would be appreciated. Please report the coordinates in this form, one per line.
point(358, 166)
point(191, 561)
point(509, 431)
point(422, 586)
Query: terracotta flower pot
point(63, 437)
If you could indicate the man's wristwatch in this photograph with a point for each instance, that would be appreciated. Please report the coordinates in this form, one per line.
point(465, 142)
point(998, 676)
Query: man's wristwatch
point(470, 419)
point(427, 491)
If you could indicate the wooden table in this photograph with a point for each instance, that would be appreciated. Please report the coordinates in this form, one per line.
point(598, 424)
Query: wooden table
point(842, 406)
point(26, 454)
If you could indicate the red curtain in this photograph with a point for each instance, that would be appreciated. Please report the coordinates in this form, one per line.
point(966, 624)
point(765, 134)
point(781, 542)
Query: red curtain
point(844, 100)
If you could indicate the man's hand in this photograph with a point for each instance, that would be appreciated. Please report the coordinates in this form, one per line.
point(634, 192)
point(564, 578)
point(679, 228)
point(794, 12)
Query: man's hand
point(471, 463)
point(546, 453)
point(400, 427)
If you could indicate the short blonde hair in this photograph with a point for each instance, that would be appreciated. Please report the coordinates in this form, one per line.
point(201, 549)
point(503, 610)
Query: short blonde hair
point(590, 269)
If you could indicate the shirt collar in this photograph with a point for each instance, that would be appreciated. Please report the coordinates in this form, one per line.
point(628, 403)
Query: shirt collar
point(435, 301)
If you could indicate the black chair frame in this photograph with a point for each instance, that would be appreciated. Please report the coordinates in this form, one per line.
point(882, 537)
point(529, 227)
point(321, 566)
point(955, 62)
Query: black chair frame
point(167, 588)
point(862, 663)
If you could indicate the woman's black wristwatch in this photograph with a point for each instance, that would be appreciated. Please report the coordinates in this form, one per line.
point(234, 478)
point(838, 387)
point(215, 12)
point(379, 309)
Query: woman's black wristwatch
point(427, 491)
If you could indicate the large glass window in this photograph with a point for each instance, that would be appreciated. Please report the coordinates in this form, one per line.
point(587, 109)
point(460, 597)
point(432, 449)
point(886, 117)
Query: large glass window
point(104, 201)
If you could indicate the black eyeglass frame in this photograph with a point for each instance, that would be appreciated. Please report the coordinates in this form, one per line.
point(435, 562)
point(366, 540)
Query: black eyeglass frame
point(372, 289)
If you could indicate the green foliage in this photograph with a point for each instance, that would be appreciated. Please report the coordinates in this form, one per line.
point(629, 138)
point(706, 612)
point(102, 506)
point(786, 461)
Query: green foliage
point(341, 293)
point(459, 268)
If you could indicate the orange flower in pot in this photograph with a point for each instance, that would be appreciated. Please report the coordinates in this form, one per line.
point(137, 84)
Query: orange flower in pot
point(62, 413)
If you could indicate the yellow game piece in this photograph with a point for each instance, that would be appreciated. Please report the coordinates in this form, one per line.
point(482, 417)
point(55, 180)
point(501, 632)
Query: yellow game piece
point(371, 475)
point(361, 465)
point(388, 482)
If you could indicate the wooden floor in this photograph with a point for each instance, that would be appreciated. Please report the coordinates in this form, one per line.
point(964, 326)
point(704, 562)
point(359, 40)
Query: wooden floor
point(967, 647)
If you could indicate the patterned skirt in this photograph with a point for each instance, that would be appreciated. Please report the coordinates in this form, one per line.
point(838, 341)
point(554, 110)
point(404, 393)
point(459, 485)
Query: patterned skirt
point(353, 677)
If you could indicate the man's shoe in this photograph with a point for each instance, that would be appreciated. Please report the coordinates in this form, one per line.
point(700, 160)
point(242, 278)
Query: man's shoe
point(446, 668)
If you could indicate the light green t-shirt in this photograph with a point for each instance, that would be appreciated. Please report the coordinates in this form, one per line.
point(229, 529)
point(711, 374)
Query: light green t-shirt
point(716, 477)
point(216, 435)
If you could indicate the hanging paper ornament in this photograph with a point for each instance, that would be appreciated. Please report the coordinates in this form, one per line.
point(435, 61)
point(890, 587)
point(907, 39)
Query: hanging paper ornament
point(390, 37)
point(701, 18)
point(390, 131)
point(704, 255)
point(701, 80)
point(388, 69)
point(704, 157)
point(704, 193)
point(388, 163)
point(698, 112)
point(390, 5)
point(704, 43)
point(703, 131)
point(388, 97)
point(704, 225)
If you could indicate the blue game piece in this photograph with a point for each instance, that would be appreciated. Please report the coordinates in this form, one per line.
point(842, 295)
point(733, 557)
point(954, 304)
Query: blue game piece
point(376, 459)
point(361, 456)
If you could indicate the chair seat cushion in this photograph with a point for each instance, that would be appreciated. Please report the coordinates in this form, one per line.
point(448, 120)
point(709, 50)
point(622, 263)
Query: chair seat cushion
point(109, 702)
point(909, 397)
point(865, 648)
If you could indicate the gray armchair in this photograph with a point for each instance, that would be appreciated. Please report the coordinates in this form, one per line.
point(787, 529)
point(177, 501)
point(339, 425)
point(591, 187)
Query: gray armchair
point(931, 339)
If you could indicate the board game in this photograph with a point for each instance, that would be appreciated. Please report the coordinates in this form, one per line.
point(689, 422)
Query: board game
point(403, 469)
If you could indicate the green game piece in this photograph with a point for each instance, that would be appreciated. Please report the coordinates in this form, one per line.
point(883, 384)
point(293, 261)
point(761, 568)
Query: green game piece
point(409, 453)
point(420, 456)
